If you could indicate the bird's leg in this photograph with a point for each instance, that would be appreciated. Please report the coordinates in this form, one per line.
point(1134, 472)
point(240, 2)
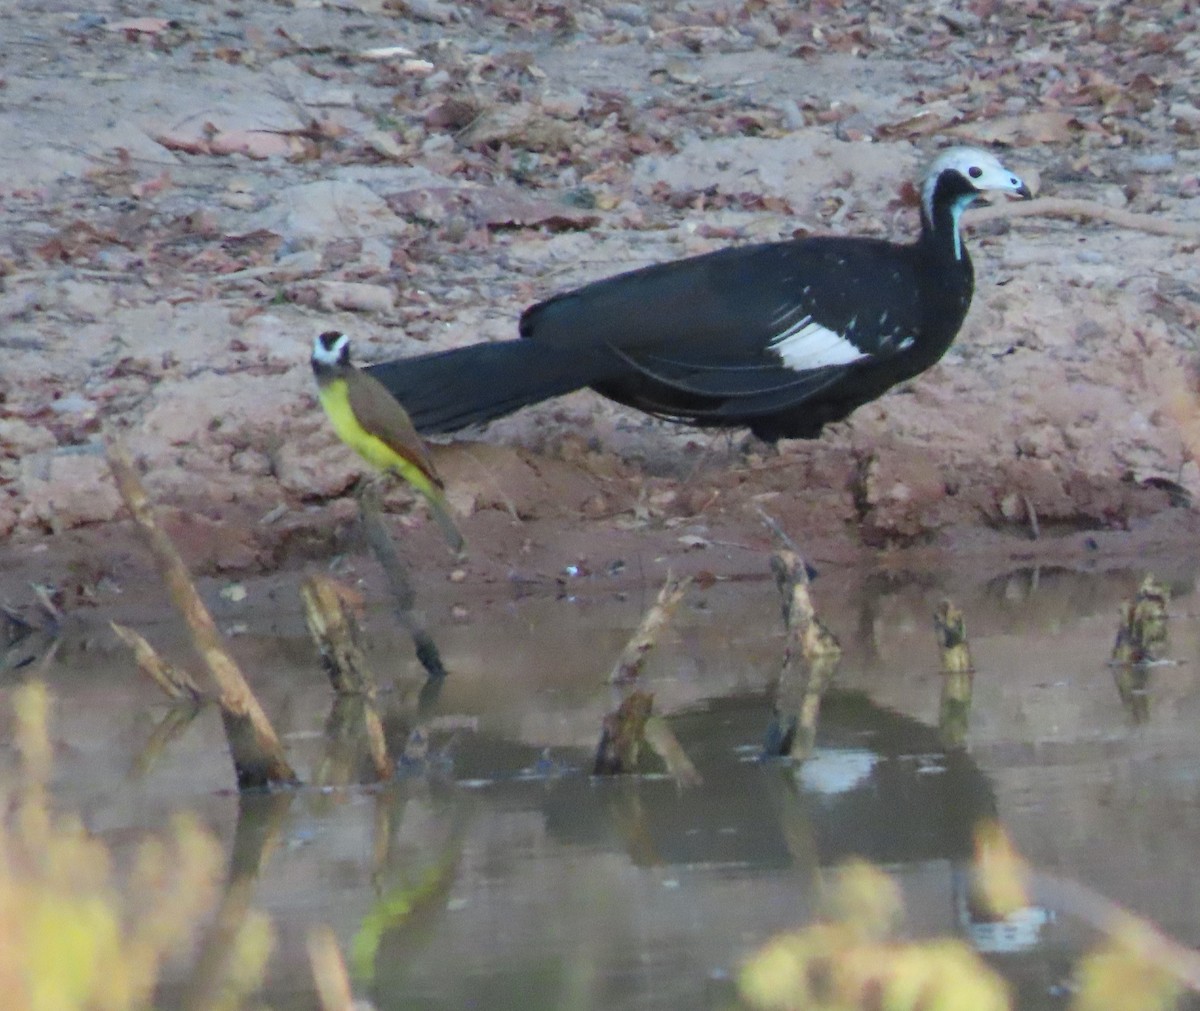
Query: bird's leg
point(705, 455)
point(369, 485)
point(748, 447)
point(753, 445)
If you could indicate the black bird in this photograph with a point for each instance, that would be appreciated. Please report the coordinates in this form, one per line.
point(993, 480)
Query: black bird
point(782, 337)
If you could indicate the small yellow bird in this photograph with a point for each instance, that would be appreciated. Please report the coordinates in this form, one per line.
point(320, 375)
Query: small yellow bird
point(375, 425)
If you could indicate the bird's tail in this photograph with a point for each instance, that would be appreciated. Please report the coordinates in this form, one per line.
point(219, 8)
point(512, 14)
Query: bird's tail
point(448, 390)
point(441, 513)
point(431, 492)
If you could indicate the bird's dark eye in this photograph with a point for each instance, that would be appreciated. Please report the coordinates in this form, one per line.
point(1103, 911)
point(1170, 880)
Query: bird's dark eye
point(974, 171)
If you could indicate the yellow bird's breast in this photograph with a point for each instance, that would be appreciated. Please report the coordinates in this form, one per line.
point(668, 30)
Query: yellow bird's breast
point(335, 398)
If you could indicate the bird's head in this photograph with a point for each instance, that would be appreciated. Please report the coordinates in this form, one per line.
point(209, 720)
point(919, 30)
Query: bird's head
point(331, 352)
point(958, 177)
point(967, 172)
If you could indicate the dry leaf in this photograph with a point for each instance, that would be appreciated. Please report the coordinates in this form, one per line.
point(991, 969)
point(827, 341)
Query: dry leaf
point(1051, 126)
point(139, 26)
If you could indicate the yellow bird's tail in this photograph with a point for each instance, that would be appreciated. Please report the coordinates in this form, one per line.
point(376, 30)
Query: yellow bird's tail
point(441, 512)
point(432, 493)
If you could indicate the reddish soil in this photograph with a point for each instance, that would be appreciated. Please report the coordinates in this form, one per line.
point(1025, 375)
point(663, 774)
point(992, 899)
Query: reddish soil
point(191, 195)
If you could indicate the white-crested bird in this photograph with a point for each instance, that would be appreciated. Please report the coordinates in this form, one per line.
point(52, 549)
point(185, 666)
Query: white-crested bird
point(780, 337)
point(375, 425)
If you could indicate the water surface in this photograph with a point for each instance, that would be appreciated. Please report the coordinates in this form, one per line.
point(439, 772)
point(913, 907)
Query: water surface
point(531, 884)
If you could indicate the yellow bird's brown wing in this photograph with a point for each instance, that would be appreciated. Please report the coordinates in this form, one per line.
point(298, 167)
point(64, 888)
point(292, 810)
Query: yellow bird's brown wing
point(382, 416)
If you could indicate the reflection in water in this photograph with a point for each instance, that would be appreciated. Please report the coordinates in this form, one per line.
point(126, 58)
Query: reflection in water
point(355, 747)
point(796, 707)
point(1133, 688)
point(830, 771)
point(810, 657)
point(29, 636)
point(954, 711)
point(877, 786)
point(495, 871)
point(958, 674)
point(169, 727)
point(1142, 635)
point(260, 822)
point(1016, 933)
point(412, 877)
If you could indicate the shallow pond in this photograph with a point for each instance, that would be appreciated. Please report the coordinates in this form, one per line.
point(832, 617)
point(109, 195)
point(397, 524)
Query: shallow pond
point(498, 873)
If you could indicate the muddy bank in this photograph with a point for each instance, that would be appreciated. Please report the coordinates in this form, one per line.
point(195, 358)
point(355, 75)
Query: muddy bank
point(630, 544)
point(190, 196)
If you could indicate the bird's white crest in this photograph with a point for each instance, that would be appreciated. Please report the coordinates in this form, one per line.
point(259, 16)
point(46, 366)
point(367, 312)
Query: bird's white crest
point(329, 356)
point(808, 345)
point(981, 169)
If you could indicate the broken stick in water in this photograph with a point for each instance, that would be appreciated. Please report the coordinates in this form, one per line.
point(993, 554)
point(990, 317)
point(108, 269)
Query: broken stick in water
point(1142, 634)
point(623, 734)
point(632, 725)
point(810, 657)
point(357, 749)
point(176, 682)
point(951, 629)
point(807, 636)
point(258, 756)
point(633, 656)
point(658, 734)
point(958, 674)
point(335, 631)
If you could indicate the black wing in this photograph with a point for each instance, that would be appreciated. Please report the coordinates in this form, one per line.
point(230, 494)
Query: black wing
point(774, 323)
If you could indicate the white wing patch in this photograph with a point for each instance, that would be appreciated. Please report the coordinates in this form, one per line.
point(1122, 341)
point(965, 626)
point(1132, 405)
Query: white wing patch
point(808, 345)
